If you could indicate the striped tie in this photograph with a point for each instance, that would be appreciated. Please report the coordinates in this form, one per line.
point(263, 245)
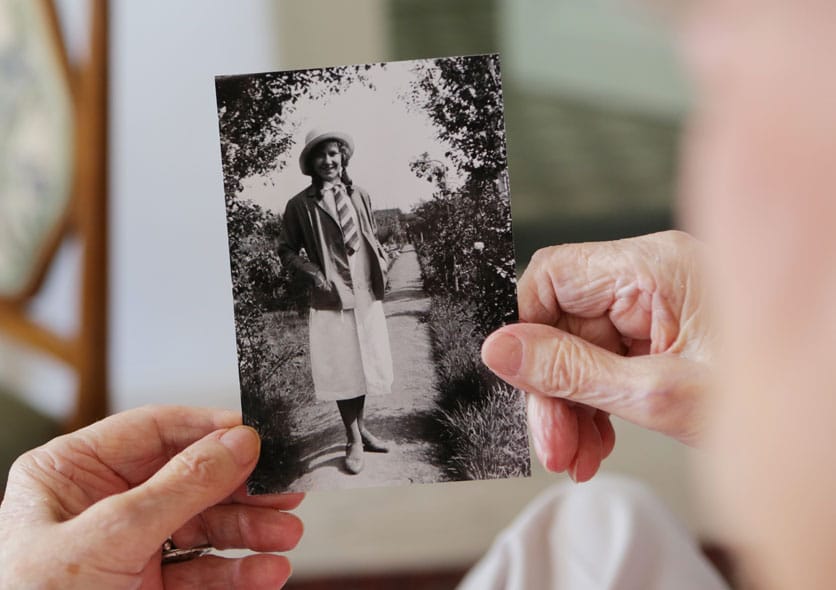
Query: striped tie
point(346, 221)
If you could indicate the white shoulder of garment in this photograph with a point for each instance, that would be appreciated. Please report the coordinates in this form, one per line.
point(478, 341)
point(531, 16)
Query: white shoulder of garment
point(611, 533)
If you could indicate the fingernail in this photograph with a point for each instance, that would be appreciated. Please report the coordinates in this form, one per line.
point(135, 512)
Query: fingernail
point(243, 442)
point(540, 451)
point(502, 353)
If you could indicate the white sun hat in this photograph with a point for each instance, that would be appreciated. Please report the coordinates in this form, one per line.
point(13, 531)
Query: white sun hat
point(317, 136)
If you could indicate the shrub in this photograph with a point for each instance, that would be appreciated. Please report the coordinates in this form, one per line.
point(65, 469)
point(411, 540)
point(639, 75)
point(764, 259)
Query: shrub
point(285, 385)
point(468, 253)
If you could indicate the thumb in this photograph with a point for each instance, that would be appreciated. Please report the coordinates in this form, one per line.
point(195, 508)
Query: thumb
point(660, 392)
point(139, 520)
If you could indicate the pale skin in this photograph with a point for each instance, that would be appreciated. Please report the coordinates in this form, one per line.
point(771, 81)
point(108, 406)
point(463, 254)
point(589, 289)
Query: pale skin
point(92, 509)
point(612, 328)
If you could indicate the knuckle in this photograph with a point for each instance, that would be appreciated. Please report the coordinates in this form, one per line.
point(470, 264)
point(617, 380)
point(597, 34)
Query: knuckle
point(679, 241)
point(195, 467)
point(35, 464)
point(541, 259)
point(539, 255)
point(23, 463)
point(566, 372)
point(244, 530)
point(22, 470)
point(152, 411)
point(536, 296)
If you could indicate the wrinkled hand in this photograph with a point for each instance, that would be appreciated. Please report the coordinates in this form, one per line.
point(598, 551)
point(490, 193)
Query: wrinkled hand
point(607, 328)
point(91, 509)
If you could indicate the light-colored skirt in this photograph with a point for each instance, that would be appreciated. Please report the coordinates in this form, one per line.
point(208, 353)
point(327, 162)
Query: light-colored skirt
point(350, 354)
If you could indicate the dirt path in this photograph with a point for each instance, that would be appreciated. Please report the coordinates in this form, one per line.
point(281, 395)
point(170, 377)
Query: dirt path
point(401, 418)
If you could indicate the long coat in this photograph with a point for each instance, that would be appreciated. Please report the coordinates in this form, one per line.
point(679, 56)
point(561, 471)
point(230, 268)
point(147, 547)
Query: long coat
point(310, 225)
point(350, 353)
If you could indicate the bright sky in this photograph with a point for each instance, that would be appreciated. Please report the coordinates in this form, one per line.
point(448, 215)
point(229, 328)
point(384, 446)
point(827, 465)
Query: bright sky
point(386, 138)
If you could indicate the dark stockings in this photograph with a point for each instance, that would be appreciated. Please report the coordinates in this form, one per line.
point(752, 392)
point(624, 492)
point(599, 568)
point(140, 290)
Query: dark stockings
point(351, 411)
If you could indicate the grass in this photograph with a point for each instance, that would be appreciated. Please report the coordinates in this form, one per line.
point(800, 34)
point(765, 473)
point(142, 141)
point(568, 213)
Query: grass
point(480, 420)
point(486, 439)
point(286, 386)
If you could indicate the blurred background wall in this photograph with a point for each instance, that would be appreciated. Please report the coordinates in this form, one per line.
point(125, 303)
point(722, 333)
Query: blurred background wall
point(171, 300)
point(610, 53)
point(594, 101)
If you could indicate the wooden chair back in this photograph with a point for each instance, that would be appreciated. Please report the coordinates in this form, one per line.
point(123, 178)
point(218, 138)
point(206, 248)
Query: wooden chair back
point(85, 219)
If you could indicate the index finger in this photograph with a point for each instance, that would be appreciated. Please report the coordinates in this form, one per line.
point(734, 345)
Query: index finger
point(285, 501)
point(579, 279)
point(137, 443)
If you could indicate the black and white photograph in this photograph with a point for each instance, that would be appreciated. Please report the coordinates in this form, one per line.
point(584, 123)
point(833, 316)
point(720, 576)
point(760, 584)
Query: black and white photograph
point(369, 224)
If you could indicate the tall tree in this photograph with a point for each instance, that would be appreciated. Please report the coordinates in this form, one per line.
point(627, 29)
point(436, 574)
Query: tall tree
point(463, 97)
point(470, 256)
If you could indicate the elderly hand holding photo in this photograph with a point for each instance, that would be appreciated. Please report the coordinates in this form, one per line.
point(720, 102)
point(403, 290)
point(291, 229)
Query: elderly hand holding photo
point(92, 509)
point(756, 390)
point(607, 328)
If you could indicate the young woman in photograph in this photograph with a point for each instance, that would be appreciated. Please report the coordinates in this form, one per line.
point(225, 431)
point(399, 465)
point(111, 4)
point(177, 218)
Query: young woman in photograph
point(332, 220)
